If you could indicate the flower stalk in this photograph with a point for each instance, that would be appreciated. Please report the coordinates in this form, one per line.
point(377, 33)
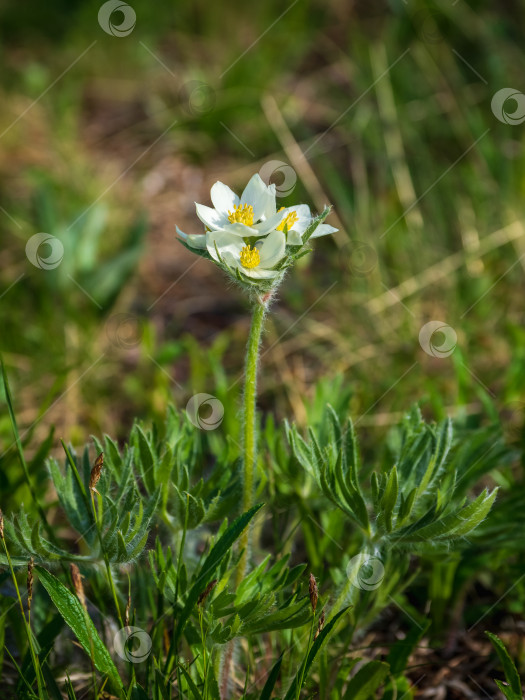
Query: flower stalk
point(249, 426)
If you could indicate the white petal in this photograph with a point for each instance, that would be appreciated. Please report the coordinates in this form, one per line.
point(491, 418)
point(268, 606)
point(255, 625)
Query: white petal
point(227, 243)
point(195, 240)
point(302, 211)
point(259, 195)
point(293, 237)
point(239, 229)
point(260, 273)
point(209, 217)
point(267, 225)
point(223, 198)
point(271, 207)
point(272, 248)
point(323, 230)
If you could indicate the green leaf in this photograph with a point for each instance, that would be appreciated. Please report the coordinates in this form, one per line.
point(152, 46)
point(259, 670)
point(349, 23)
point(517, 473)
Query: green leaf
point(145, 459)
point(316, 646)
point(266, 692)
point(389, 499)
point(509, 669)
point(196, 692)
point(289, 617)
point(451, 526)
point(218, 551)
point(314, 224)
point(69, 606)
point(366, 681)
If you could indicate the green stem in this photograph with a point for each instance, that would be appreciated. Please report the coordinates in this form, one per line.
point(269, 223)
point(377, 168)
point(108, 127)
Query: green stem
point(249, 437)
point(34, 657)
point(109, 573)
point(249, 461)
point(303, 665)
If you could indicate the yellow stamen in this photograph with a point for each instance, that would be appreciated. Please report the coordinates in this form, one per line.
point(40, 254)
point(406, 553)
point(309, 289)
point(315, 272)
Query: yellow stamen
point(241, 214)
point(288, 221)
point(250, 257)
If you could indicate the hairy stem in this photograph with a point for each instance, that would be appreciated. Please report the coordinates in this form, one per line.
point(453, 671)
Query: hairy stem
point(249, 437)
point(250, 458)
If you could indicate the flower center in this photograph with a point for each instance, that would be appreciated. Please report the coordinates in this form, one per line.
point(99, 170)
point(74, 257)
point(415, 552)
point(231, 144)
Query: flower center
point(288, 221)
point(241, 214)
point(250, 257)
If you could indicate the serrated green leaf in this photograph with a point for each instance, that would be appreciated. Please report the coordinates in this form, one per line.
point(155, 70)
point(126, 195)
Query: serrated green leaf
point(69, 606)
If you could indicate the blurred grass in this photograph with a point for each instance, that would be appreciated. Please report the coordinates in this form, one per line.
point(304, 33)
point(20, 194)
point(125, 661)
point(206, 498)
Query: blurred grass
point(391, 103)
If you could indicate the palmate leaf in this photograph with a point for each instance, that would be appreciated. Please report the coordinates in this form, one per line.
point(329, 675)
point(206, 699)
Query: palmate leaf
point(70, 496)
point(411, 503)
point(334, 467)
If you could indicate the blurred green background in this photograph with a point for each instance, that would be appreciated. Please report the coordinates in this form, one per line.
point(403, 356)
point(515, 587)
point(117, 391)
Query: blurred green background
point(381, 109)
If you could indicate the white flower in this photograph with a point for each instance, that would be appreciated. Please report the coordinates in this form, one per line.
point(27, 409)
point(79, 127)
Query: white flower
point(297, 219)
point(256, 261)
point(254, 214)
